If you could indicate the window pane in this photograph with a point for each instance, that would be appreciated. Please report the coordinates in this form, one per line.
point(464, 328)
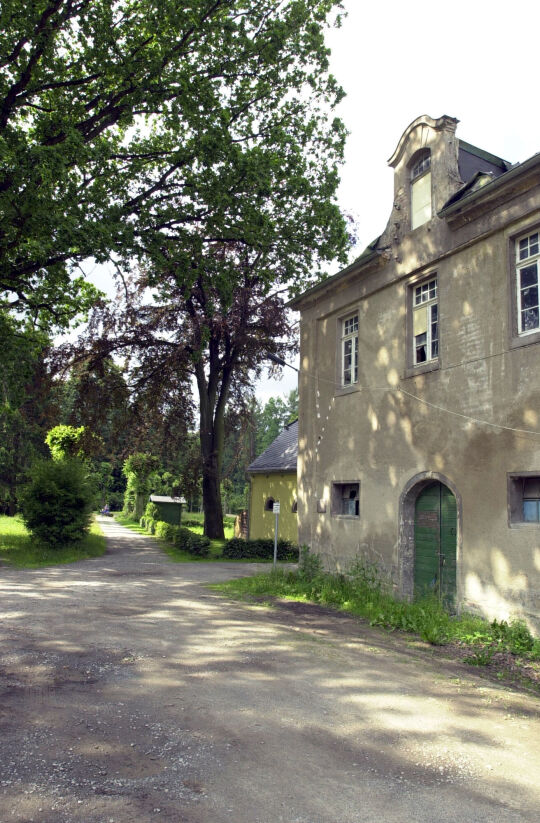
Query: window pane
point(529, 297)
point(529, 319)
point(421, 201)
point(528, 276)
point(420, 348)
point(531, 511)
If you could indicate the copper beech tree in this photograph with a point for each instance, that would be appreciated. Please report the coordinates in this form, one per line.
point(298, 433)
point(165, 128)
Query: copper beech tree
point(214, 341)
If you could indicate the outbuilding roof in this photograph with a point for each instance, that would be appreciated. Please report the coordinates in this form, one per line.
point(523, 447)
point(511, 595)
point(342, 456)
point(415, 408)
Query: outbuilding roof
point(160, 498)
point(281, 455)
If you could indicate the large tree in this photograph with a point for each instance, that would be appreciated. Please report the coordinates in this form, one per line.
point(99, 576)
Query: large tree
point(251, 219)
point(117, 119)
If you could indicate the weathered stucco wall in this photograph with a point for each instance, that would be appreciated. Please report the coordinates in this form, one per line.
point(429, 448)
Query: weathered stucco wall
point(395, 425)
point(281, 487)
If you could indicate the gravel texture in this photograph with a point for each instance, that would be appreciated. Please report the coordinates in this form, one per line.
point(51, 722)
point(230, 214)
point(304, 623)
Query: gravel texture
point(130, 692)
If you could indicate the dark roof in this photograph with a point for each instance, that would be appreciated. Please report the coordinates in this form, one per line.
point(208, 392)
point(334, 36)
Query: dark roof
point(281, 455)
point(162, 498)
point(471, 160)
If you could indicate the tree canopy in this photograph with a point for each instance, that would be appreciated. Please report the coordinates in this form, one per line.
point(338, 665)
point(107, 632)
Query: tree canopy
point(153, 127)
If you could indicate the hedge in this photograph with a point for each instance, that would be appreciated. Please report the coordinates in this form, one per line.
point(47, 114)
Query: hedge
point(182, 538)
point(239, 549)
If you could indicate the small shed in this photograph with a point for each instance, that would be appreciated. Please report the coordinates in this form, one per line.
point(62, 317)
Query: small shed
point(170, 508)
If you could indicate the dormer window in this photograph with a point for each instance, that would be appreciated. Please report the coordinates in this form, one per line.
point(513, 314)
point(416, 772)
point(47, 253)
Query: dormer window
point(421, 190)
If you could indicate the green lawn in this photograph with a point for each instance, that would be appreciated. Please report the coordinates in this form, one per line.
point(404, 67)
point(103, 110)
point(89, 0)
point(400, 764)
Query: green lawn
point(18, 548)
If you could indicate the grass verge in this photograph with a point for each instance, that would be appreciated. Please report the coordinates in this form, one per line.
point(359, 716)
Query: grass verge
point(20, 549)
point(363, 594)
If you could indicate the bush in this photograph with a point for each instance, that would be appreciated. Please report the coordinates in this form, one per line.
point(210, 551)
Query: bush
point(151, 511)
point(56, 504)
point(164, 530)
point(263, 549)
point(188, 541)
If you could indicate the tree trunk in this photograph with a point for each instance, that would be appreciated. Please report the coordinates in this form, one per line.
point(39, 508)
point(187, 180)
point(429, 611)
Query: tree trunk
point(211, 412)
point(213, 512)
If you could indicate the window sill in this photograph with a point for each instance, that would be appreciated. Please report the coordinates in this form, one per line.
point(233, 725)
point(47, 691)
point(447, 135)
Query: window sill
point(346, 516)
point(342, 390)
point(422, 368)
point(520, 340)
point(524, 524)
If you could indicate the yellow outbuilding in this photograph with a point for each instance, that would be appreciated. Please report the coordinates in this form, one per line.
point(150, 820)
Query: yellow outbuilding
point(273, 480)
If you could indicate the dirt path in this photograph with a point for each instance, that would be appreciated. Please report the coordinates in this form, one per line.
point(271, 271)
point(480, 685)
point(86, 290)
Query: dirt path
point(129, 692)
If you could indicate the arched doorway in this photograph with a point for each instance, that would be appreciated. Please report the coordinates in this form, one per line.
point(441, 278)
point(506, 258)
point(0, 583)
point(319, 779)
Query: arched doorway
point(435, 542)
point(445, 499)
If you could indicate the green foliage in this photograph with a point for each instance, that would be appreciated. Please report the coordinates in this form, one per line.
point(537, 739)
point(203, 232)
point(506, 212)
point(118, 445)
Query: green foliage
point(164, 530)
point(138, 468)
point(20, 549)
point(188, 541)
point(183, 538)
point(57, 502)
point(26, 400)
point(151, 510)
point(67, 441)
point(272, 418)
point(117, 118)
point(238, 549)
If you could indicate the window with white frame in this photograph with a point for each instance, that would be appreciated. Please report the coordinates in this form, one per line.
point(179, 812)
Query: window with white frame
point(421, 190)
point(527, 263)
point(425, 321)
point(349, 351)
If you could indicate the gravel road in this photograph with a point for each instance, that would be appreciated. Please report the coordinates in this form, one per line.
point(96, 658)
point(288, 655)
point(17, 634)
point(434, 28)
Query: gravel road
point(130, 692)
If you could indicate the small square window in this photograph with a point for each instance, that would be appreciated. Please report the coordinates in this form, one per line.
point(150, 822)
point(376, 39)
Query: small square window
point(524, 498)
point(346, 499)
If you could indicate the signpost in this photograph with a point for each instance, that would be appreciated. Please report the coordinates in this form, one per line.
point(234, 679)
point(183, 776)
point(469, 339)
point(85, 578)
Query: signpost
point(276, 512)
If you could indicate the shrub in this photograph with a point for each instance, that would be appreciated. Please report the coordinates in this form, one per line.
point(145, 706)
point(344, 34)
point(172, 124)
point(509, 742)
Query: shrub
point(191, 521)
point(56, 503)
point(262, 549)
point(150, 525)
point(188, 541)
point(164, 530)
point(151, 511)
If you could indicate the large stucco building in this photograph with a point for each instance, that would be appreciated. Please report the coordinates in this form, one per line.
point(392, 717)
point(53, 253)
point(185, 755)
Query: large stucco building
point(419, 436)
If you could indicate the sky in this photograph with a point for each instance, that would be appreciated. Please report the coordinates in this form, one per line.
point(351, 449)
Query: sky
point(475, 61)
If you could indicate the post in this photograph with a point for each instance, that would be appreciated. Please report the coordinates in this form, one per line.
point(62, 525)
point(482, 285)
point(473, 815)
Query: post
point(276, 512)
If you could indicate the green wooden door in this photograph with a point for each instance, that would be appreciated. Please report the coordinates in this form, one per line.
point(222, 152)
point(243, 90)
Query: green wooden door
point(435, 529)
